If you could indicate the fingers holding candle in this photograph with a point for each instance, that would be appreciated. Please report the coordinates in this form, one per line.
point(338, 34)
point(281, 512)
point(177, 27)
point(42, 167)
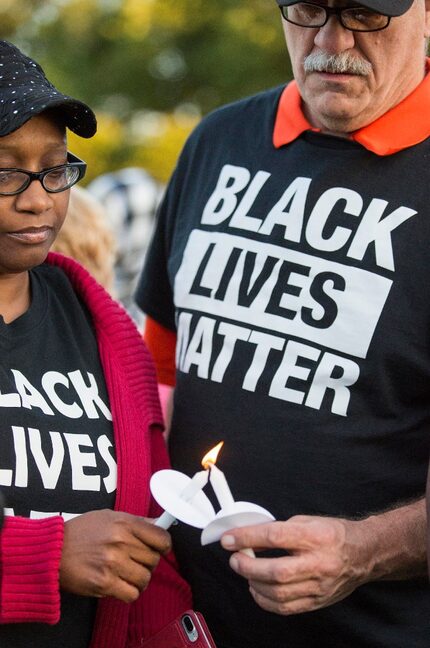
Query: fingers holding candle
point(321, 562)
point(241, 514)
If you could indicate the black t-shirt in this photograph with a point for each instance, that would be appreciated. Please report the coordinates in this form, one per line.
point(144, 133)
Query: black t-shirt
point(57, 453)
point(297, 280)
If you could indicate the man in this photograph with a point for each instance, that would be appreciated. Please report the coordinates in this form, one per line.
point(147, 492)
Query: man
point(290, 262)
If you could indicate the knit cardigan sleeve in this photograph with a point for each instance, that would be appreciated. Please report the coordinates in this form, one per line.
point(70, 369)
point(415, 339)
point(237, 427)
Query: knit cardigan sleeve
point(30, 562)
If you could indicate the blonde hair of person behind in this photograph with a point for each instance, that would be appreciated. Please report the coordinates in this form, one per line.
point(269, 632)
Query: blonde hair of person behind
point(86, 236)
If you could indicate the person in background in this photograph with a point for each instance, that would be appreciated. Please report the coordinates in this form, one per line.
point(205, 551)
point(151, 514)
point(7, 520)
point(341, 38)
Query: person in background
point(80, 423)
point(130, 198)
point(289, 271)
point(87, 237)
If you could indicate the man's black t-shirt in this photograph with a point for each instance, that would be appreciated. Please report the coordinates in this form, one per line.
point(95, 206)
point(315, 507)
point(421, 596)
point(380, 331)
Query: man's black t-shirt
point(57, 453)
point(297, 280)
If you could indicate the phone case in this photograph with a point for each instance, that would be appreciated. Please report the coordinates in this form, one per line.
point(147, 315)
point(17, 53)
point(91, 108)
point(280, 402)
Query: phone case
point(174, 635)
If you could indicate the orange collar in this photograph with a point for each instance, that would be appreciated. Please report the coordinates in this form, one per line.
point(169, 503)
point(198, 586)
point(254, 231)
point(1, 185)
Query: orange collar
point(406, 124)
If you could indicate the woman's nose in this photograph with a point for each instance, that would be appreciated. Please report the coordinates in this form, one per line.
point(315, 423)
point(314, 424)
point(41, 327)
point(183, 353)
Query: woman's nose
point(35, 199)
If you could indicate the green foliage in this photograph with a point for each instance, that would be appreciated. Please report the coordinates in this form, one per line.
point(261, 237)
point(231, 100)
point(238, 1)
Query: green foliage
point(14, 13)
point(143, 60)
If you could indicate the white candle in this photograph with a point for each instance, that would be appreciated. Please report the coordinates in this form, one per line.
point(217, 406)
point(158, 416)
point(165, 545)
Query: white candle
point(165, 520)
point(224, 496)
point(220, 486)
point(195, 484)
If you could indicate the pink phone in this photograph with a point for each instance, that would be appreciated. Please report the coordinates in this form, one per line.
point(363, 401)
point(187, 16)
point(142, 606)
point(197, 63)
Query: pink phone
point(189, 630)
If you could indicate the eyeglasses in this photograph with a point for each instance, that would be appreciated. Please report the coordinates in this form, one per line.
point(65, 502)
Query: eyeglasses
point(53, 180)
point(359, 19)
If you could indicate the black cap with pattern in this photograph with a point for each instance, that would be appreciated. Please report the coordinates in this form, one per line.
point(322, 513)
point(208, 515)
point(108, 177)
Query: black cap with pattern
point(25, 91)
point(386, 7)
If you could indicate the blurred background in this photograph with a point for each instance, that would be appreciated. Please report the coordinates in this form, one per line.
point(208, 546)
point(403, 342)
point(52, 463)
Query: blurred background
point(150, 69)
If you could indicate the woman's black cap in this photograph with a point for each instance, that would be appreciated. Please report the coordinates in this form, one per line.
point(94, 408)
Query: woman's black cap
point(25, 91)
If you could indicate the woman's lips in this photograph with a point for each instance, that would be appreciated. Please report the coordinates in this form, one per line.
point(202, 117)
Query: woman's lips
point(32, 234)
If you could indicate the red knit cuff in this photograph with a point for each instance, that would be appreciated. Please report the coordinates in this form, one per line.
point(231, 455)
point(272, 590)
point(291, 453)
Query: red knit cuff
point(30, 563)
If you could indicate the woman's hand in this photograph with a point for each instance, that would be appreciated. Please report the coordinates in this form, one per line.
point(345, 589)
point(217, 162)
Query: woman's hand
point(109, 553)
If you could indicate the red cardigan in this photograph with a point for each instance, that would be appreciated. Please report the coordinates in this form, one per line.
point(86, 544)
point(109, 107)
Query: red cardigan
point(31, 549)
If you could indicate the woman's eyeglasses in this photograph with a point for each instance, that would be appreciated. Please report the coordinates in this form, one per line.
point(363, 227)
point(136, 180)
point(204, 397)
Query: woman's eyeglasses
point(53, 180)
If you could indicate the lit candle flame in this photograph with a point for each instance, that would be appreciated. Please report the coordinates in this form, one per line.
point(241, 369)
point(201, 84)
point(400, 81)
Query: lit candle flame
point(212, 455)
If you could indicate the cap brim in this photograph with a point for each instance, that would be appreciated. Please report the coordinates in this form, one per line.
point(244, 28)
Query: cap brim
point(386, 7)
point(78, 117)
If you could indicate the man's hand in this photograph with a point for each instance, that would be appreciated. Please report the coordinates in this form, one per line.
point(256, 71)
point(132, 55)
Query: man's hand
point(108, 553)
point(329, 557)
point(324, 564)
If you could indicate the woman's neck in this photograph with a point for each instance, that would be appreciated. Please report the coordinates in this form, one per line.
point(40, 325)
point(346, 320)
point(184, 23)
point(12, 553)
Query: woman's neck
point(15, 297)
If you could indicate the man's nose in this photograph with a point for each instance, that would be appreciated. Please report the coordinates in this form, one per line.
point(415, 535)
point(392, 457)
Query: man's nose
point(35, 199)
point(333, 37)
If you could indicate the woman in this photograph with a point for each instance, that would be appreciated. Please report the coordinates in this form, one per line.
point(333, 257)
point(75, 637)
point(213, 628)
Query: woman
point(80, 420)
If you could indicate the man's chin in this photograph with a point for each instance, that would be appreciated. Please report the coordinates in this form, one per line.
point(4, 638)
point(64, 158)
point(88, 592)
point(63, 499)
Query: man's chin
point(334, 114)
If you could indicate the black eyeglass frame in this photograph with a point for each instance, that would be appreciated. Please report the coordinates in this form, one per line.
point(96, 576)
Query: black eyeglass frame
point(330, 11)
point(72, 161)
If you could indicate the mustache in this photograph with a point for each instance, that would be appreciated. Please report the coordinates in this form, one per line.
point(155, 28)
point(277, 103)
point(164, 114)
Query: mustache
point(343, 63)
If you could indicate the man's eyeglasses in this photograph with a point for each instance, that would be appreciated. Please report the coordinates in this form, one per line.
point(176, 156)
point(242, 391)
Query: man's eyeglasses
point(54, 180)
point(359, 19)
